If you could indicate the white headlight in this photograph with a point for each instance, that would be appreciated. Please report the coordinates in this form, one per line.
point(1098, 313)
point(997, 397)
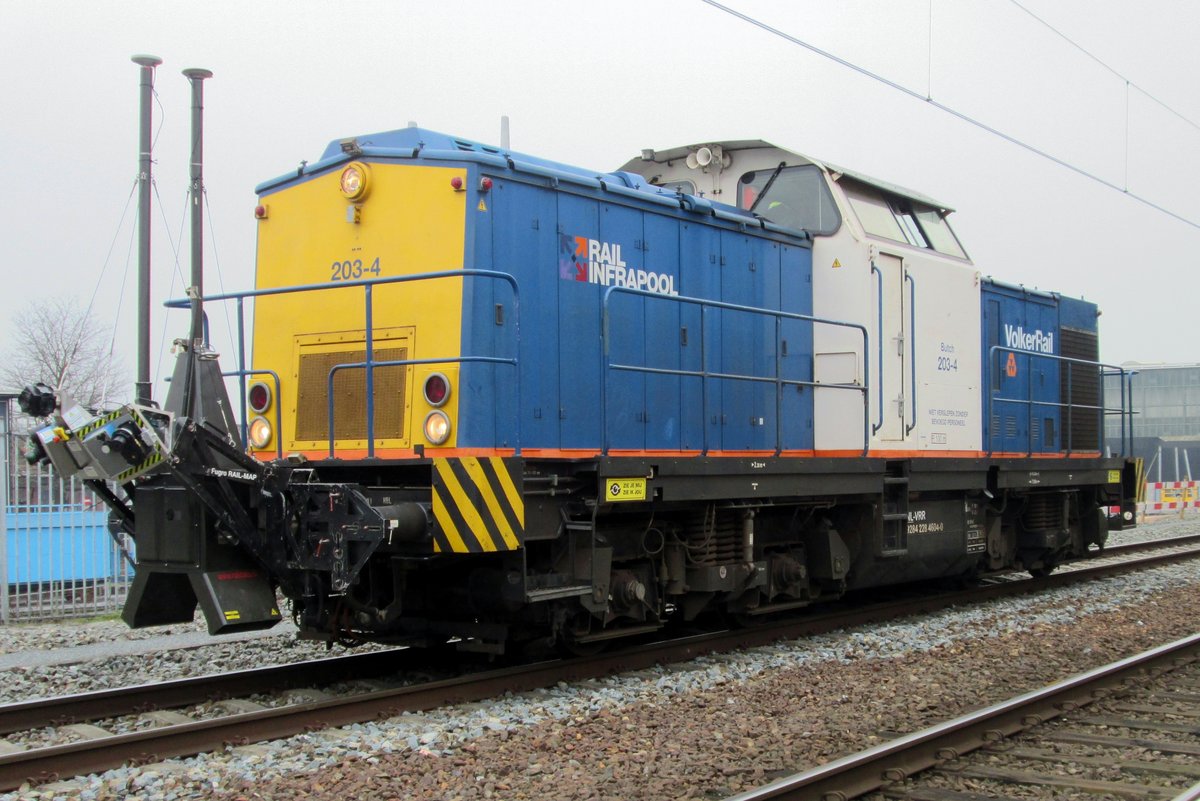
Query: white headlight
point(260, 432)
point(354, 180)
point(437, 427)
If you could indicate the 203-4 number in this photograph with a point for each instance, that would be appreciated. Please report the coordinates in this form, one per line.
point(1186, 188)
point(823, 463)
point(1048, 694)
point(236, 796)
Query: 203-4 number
point(352, 270)
point(947, 365)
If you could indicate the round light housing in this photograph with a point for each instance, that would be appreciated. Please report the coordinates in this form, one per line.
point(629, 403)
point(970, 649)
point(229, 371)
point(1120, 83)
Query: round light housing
point(354, 180)
point(437, 427)
point(259, 397)
point(437, 389)
point(260, 432)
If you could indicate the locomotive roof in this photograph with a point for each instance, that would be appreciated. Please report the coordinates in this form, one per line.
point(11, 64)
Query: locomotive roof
point(413, 143)
point(734, 145)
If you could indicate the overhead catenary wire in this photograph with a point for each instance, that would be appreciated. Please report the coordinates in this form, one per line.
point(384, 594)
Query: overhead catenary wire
point(1013, 140)
point(112, 342)
point(111, 245)
point(128, 256)
point(1129, 83)
point(100, 281)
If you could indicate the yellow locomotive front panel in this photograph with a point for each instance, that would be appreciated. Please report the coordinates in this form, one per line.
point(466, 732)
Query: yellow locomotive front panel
point(357, 222)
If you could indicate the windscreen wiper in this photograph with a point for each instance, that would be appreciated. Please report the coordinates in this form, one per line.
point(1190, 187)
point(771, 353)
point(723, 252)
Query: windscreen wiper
point(767, 186)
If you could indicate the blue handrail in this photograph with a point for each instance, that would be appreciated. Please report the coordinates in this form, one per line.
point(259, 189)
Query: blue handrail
point(704, 374)
point(369, 364)
point(1101, 410)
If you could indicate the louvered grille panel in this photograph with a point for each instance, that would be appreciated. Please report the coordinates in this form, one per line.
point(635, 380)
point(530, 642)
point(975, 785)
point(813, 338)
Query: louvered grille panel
point(1083, 432)
point(350, 396)
point(1043, 511)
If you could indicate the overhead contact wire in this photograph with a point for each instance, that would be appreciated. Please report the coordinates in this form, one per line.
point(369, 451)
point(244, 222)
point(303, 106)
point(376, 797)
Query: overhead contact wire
point(111, 246)
point(953, 112)
point(1101, 62)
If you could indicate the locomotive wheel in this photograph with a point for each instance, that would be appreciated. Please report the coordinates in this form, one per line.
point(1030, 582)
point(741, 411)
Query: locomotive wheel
point(578, 625)
point(573, 647)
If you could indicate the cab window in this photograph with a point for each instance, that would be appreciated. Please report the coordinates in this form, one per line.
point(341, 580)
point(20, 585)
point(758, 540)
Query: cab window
point(875, 215)
point(903, 220)
point(686, 187)
point(938, 231)
point(794, 197)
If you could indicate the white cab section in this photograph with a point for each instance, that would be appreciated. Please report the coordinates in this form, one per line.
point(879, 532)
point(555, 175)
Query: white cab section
point(884, 258)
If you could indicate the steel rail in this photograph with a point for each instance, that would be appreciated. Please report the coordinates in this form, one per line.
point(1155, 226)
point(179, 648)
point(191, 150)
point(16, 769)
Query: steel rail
point(1148, 545)
point(98, 704)
point(1190, 794)
point(175, 693)
point(874, 768)
point(186, 739)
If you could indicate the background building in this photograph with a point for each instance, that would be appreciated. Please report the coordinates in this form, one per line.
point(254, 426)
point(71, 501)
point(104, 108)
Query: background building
point(1166, 422)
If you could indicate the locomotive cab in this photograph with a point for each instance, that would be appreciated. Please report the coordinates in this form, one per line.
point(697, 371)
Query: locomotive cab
point(884, 257)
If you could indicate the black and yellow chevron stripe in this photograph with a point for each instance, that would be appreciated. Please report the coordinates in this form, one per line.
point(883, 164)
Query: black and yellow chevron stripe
point(151, 460)
point(81, 432)
point(477, 505)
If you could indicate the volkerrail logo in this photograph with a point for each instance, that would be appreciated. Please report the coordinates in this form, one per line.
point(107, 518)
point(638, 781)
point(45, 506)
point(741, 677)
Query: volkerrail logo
point(596, 262)
point(1036, 341)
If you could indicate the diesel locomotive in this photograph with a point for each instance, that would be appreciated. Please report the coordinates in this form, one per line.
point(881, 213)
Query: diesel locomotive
point(496, 400)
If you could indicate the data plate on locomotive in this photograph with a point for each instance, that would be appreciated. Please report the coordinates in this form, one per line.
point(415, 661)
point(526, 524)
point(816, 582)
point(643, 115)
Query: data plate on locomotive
point(617, 490)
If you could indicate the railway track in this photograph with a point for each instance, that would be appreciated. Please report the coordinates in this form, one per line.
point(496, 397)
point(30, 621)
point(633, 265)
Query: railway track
point(181, 737)
point(1125, 730)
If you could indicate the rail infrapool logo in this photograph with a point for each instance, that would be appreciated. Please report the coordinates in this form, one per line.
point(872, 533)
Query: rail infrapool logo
point(1035, 341)
point(596, 262)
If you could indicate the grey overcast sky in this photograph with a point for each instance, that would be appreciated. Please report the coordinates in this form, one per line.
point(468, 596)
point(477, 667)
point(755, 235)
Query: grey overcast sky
point(592, 84)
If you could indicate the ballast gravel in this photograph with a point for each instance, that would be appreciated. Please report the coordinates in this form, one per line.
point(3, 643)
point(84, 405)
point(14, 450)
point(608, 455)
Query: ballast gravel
point(704, 729)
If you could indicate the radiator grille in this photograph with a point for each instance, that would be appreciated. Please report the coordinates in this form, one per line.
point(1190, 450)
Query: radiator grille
point(713, 537)
point(350, 393)
point(1044, 511)
point(1083, 431)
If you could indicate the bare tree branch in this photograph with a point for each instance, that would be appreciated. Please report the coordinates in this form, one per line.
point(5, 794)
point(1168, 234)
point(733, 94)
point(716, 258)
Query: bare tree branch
point(56, 342)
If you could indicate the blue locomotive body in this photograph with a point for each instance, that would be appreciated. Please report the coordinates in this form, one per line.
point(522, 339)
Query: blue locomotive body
point(508, 401)
point(1039, 352)
point(610, 279)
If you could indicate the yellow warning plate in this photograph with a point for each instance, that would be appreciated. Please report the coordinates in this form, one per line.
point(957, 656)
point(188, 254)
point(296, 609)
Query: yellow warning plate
point(1114, 476)
point(624, 489)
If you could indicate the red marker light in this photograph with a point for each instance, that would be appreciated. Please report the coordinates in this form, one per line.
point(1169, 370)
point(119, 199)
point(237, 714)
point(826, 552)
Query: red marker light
point(437, 389)
point(456, 183)
point(260, 212)
point(485, 184)
point(259, 397)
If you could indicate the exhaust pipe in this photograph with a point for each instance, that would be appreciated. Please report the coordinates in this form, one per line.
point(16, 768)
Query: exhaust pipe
point(142, 385)
point(196, 191)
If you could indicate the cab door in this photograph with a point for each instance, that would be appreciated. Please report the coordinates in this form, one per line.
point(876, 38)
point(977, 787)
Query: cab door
point(893, 346)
